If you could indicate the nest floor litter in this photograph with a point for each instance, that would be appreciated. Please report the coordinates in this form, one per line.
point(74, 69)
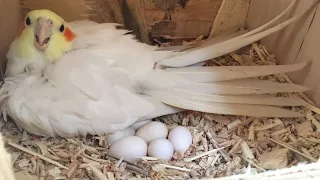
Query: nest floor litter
point(222, 145)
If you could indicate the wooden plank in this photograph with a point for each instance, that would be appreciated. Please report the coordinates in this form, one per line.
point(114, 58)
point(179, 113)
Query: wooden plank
point(134, 18)
point(107, 11)
point(232, 16)
point(178, 21)
point(195, 10)
point(179, 29)
point(153, 13)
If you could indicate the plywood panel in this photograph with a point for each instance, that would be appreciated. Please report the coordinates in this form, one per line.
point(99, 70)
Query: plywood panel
point(232, 16)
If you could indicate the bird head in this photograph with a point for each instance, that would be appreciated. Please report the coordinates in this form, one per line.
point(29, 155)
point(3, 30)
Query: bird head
point(44, 34)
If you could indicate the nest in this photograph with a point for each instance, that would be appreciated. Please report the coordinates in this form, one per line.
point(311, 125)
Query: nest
point(222, 145)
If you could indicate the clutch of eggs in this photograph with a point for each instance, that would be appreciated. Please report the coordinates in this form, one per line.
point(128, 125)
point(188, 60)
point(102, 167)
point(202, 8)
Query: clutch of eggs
point(151, 138)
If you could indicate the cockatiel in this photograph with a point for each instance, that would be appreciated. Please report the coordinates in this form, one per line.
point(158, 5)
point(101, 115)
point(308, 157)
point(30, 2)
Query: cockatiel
point(78, 78)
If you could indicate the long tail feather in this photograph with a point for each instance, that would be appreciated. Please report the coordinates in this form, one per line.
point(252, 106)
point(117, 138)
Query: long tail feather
point(259, 99)
point(244, 86)
point(197, 55)
point(215, 40)
point(224, 73)
point(226, 108)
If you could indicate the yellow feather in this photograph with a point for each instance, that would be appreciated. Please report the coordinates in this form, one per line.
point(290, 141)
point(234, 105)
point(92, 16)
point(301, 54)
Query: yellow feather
point(58, 44)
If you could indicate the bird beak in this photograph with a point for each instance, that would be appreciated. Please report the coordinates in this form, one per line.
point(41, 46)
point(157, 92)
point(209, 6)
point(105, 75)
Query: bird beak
point(43, 32)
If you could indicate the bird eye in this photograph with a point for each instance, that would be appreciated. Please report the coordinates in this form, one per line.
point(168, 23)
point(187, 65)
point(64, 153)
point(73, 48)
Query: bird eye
point(61, 29)
point(28, 21)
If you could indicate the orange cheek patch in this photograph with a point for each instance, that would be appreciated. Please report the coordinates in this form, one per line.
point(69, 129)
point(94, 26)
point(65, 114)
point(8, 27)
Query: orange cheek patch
point(69, 35)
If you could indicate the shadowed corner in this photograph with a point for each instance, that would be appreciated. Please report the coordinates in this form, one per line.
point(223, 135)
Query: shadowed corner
point(183, 3)
point(8, 32)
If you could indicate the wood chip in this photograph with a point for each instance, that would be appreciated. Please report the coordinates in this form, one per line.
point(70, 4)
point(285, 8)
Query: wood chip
point(237, 58)
point(34, 164)
point(293, 138)
point(201, 155)
point(312, 139)
point(74, 157)
point(313, 120)
point(163, 166)
point(215, 145)
point(275, 159)
point(215, 159)
point(36, 154)
point(218, 118)
point(246, 151)
point(305, 151)
point(97, 173)
point(255, 165)
point(258, 51)
point(282, 131)
point(234, 124)
point(251, 133)
point(235, 147)
point(247, 121)
point(292, 149)
point(204, 144)
point(269, 126)
point(304, 128)
point(72, 168)
point(111, 176)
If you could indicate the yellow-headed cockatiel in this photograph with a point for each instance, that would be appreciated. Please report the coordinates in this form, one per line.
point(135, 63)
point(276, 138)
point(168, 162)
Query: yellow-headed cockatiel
point(69, 79)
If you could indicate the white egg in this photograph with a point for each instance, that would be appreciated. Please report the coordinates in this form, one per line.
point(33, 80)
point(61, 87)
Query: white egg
point(152, 130)
point(130, 148)
point(161, 148)
point(111, 138)
point(180, 138)
point(137, 125)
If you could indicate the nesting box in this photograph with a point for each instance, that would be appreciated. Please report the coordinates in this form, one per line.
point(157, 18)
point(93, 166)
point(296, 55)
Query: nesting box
point(174, 22)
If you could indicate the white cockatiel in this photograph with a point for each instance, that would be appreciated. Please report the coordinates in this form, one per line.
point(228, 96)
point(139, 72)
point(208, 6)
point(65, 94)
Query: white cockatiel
point(69, 79)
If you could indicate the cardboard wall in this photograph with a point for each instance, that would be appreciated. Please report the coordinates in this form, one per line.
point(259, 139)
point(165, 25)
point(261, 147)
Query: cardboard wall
point(9, 26)
point(298, 42)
